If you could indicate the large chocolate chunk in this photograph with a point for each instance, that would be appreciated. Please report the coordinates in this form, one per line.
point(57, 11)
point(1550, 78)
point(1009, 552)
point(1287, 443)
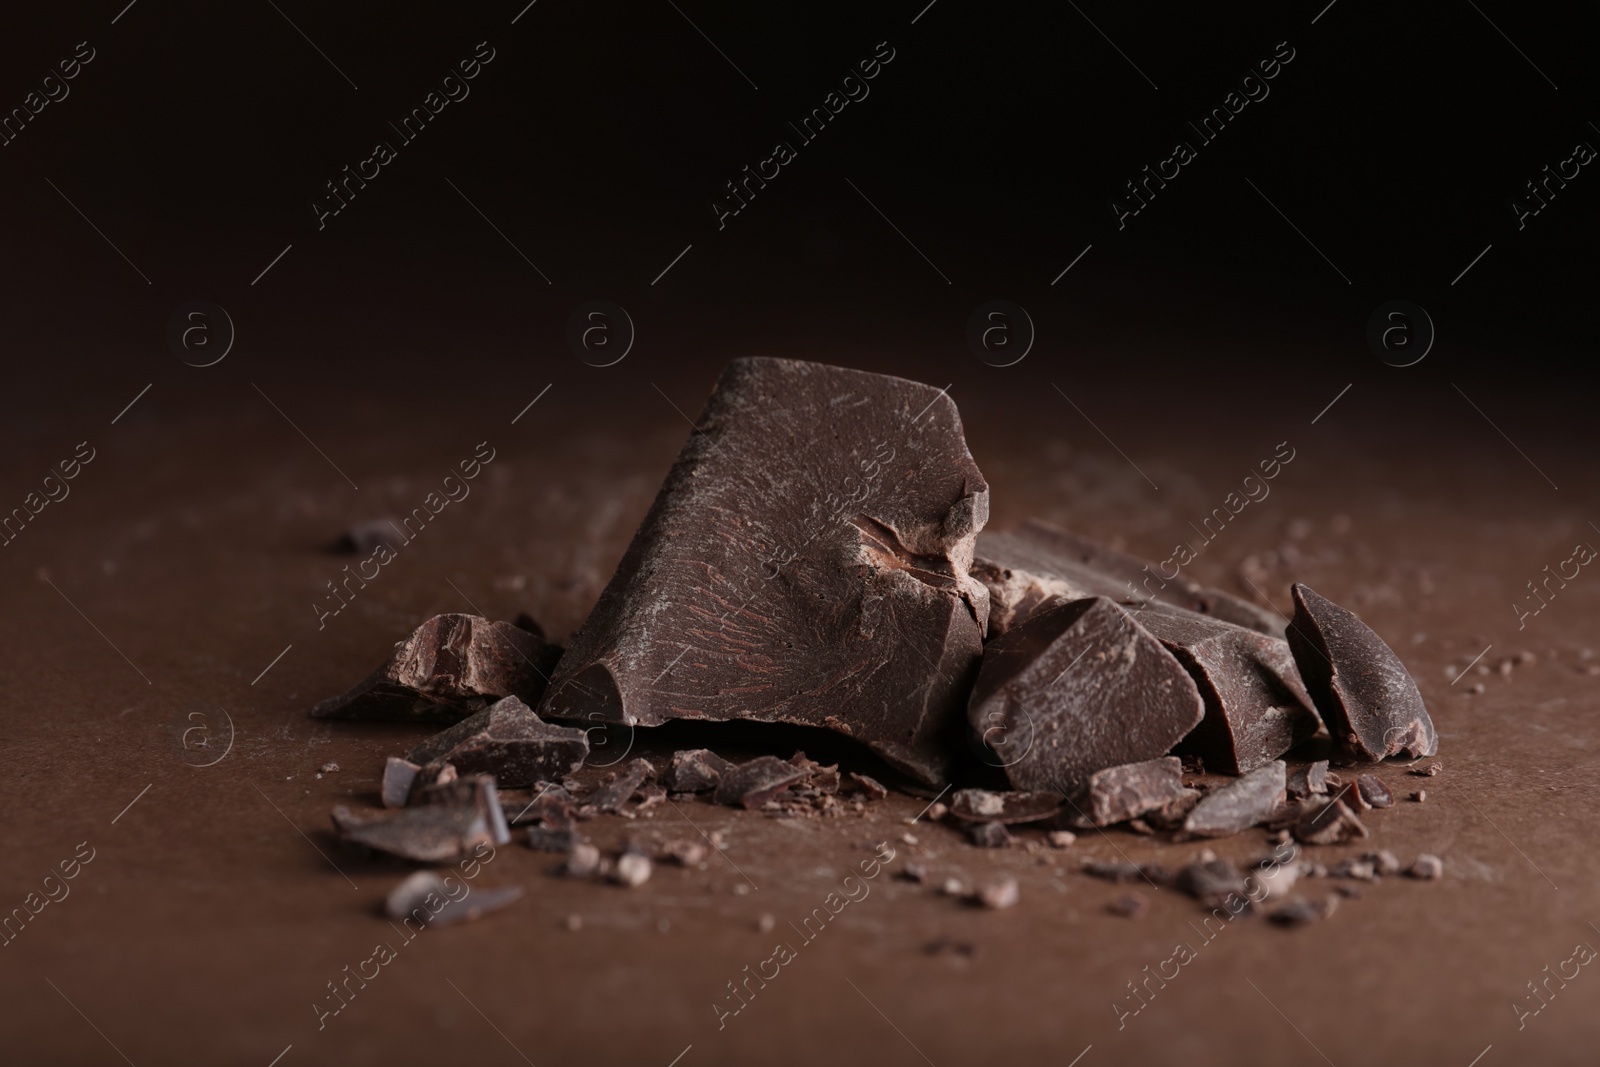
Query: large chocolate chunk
point(1367, 698)
point(806, 561)
point(450, 667)
point(1256, 708)
point(1241, 804)
point(510, 742)
point(1039, 560)
point(1077, 688)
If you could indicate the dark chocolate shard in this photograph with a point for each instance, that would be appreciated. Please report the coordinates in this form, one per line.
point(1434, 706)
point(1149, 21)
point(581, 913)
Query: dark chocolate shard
point(1256, 708)
point(989, 834)
point(1129, 906)
point(398, 776)
point(429, 899)
point(863, 783)
point(1241, 804)
point(431, 833)
point(1118, 794)
point(1212, 882)
point(1038, 560)
point(981, 805)
point(1330, 824)
point(695, 771)
point(1077, 688)
point(450, 667)
point(806, 561)
point(1367, 698)
point(611, 796)
point(475, 792)
point(1373, 791)
point(1312, 778)
point(752, 784)
point(510, 742)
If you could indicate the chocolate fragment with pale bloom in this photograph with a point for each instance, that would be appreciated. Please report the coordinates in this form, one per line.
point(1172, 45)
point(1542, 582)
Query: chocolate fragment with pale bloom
point(510, 742)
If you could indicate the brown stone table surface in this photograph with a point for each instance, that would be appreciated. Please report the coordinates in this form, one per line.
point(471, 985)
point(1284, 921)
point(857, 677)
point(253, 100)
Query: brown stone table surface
point(174, 591)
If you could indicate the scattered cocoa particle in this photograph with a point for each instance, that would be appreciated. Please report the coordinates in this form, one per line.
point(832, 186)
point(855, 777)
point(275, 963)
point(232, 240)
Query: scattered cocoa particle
point(583, 861)
point(1113, 870)
point(989, 835)
point(685, 853)
point(328, 768)
point(1426, 867)
point(1420, 796)
point(1061, 838)
point(574, 921)
point(944, 944)
point(936, 812)
point(766, 923)
point(860, 783)
point(1374, 791)
point(1303, 911)
point(1428, 770)
point(1384, 861)
point(632, 870)
point(1345, 889)
point(1001, 892)
point(1131, 906)
point(914, 872)
point(953, 887)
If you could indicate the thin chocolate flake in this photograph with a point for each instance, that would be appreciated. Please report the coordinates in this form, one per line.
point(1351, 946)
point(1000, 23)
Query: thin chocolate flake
point(611, 796)
point(1303, 911)
point(430, 899)
point(510, 742)
point(1374, 791)
point(695, 771)
point(752, 784)
point(398, 776)
point(1240, 804)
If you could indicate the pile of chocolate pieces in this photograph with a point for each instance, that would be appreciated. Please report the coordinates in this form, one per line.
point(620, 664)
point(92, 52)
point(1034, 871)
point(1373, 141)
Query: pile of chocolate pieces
point(817, 556)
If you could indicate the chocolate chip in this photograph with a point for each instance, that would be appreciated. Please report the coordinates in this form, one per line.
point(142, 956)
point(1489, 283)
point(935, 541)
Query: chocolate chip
point(632, 870)
point(1075, 689)
point(510, 742)
point(804, 562)
point(1061, 838)
point(1369, 701)
point(452, 666)
point(1304, 781)
point(1239, 805)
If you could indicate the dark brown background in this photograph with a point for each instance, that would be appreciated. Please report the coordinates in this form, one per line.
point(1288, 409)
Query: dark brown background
point(397, 339)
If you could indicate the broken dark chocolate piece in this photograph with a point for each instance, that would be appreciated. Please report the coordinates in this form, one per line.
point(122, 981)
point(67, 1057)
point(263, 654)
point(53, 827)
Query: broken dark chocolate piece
point(1075, 689)
point(1303, 911)
point(1239, 805)
point(452, 666)
point(805, 562)
point(981, 805)
point(1256, 708)
point(510, 742)
point(752, 784)
point(398, 776)
point(429, 899)
point(1367, 698)
point(1373, 791)
point(1426, 867)
point(1039, 561)
point(1304, 781)
point(861, 783)
point(1117, 794)
point(695, 771)
point(432, 833)
point(611, 796)
point(1332, 824)
point(998, 892)
point(989, 834)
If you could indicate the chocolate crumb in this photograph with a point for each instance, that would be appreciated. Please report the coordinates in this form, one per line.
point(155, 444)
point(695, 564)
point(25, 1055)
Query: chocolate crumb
point(1061, 838)
point(1428, 770)
point(583, 861)
point(1303, 912)
point(1426, 867)
point(1420, 796)
point(1001, 892)
point(1131, 906)
point(632, 870)
point(989, 835)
